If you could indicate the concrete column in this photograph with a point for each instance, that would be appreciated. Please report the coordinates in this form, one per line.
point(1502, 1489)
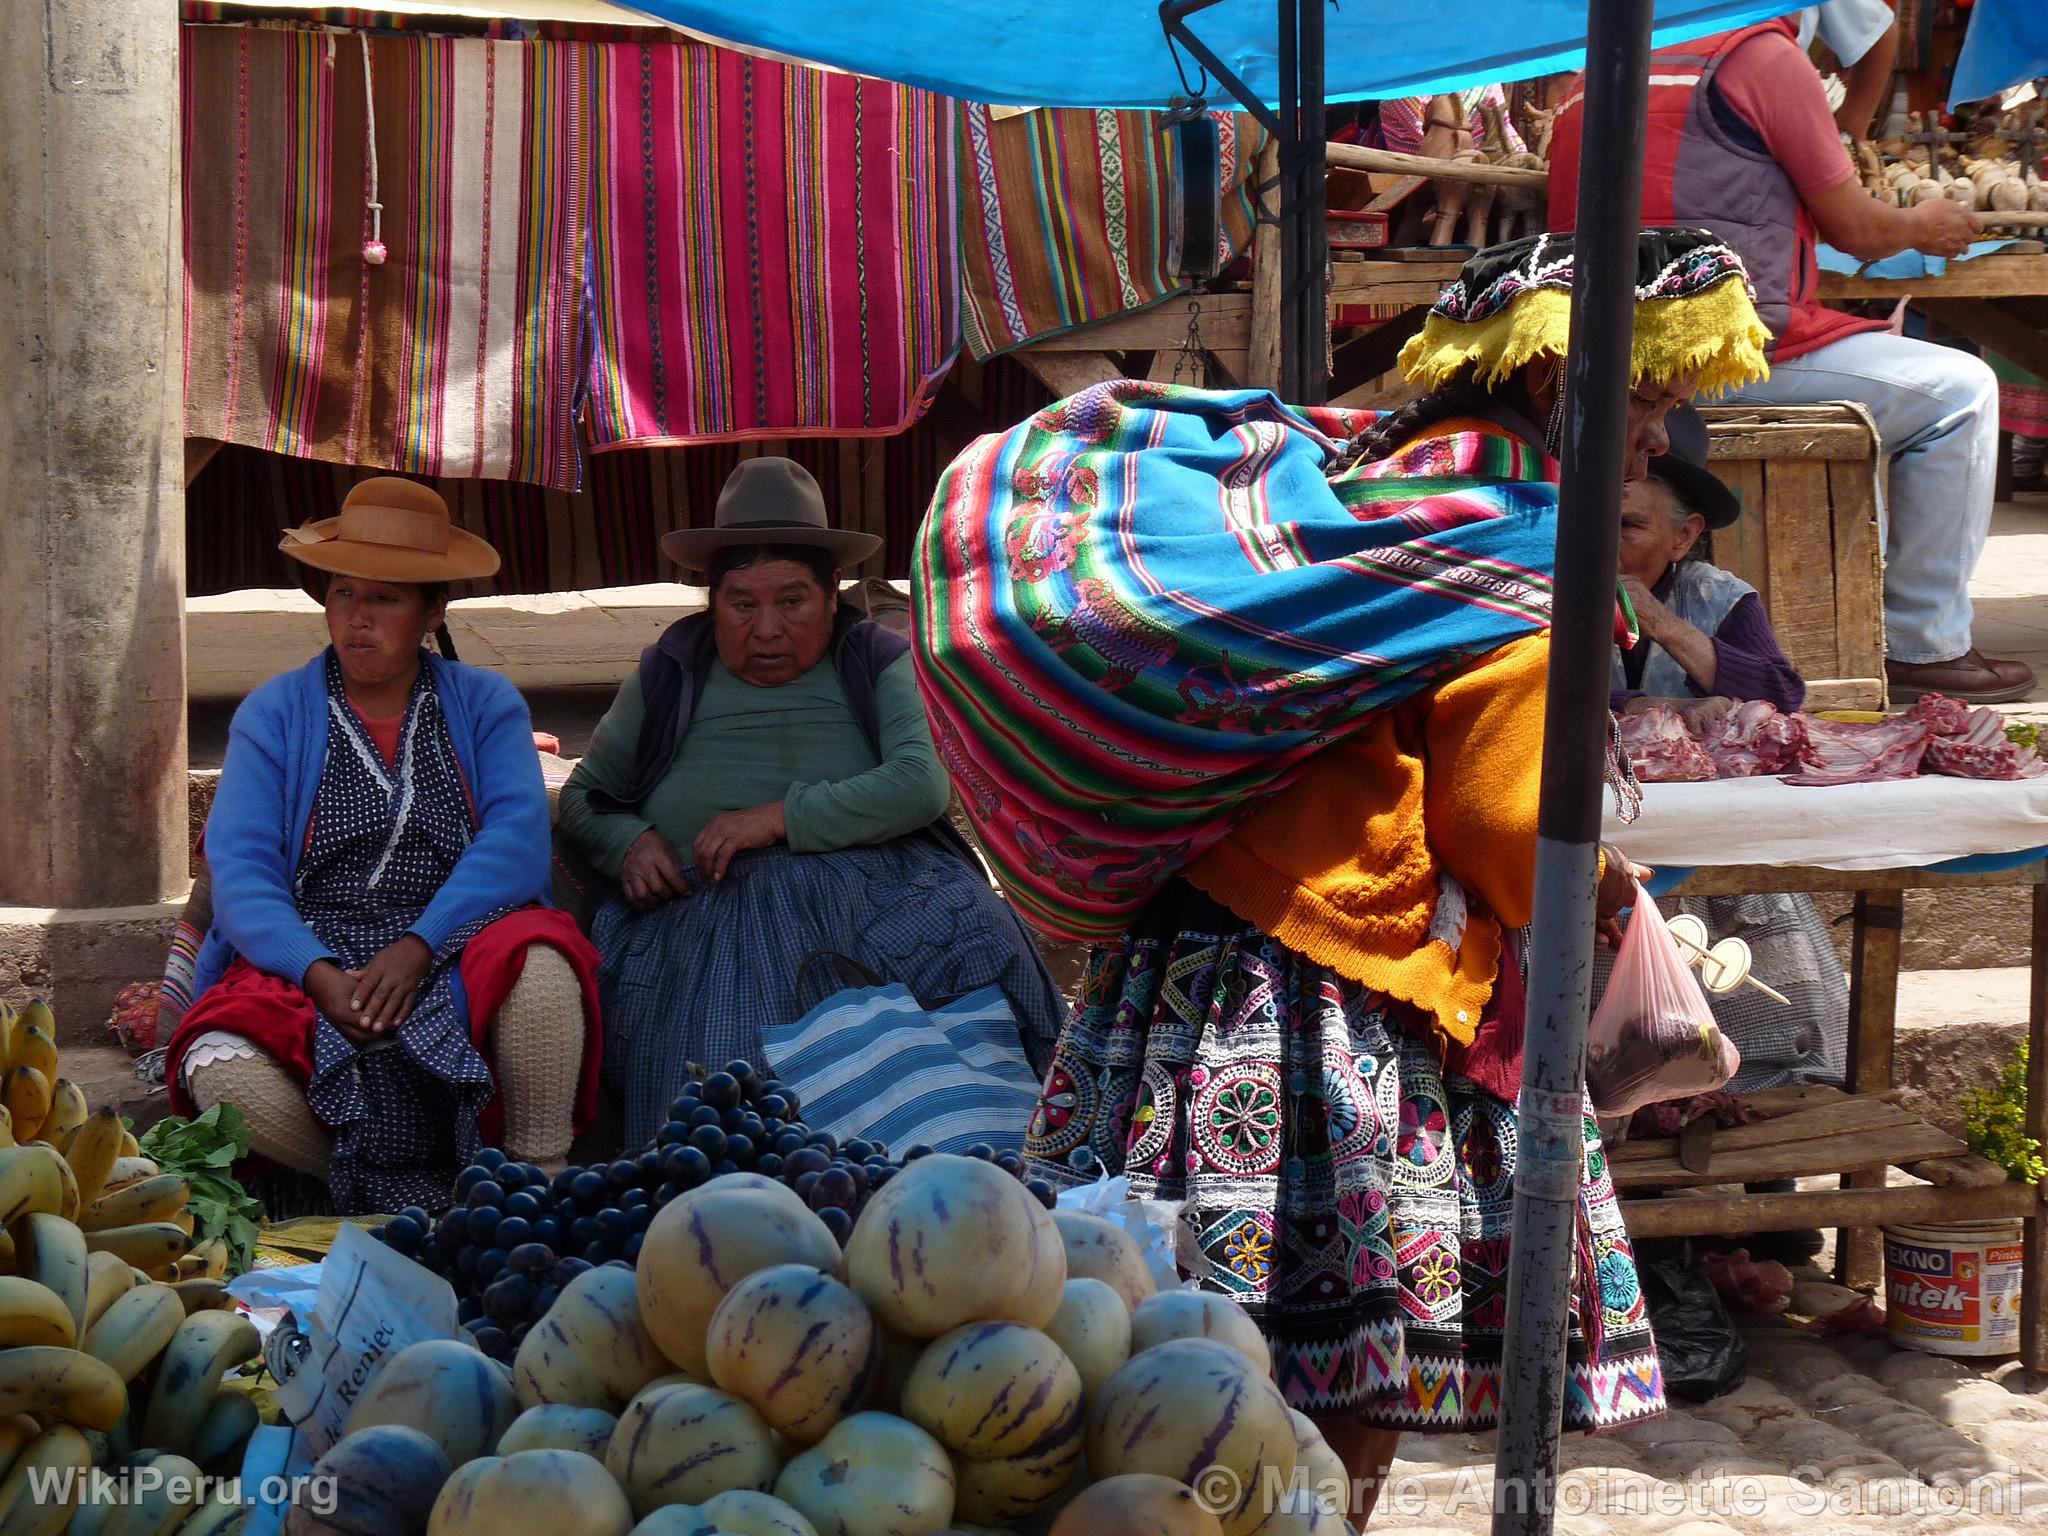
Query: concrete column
point(92, 516)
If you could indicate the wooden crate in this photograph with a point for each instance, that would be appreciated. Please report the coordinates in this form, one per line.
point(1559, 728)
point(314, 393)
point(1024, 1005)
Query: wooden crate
point(1810, 478)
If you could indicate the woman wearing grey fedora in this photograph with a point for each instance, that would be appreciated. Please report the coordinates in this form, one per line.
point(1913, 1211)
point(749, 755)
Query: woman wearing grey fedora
point(765, 793)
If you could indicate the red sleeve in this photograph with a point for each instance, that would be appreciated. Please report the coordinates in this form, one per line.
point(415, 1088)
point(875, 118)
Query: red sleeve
point(1773, 87)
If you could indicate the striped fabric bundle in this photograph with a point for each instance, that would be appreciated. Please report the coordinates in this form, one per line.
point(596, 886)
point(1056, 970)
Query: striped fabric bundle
point(1139, 612)
point(456, 355)
point(1070, 216)
point(772, 249)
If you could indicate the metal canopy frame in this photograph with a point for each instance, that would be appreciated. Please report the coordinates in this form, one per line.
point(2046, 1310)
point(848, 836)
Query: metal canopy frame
point(1299, 128)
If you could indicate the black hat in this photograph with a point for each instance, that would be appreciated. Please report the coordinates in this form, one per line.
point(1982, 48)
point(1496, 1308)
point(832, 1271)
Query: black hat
point(1683, 467)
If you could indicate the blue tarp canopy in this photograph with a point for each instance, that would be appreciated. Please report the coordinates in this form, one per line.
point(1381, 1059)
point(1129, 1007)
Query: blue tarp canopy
point(2007, 44)
point(1114, 53)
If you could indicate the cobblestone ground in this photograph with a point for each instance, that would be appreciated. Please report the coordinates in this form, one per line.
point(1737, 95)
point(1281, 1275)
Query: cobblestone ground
point(1829, 1436)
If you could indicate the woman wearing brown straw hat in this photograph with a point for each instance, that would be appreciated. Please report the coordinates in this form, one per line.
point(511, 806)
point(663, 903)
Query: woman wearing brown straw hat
point(380, 962)
point(765, 792)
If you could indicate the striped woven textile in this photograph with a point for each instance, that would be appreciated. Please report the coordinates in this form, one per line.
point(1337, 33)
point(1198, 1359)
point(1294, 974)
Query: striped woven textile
point(457, 355)
point(1070, 216)
point(1139, 612)
point(773, 251)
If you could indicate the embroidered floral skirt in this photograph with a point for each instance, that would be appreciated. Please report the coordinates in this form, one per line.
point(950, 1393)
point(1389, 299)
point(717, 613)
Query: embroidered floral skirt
point(1355, 1200)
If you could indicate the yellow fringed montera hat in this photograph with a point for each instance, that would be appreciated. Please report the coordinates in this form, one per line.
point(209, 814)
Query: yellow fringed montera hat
point(1695, 313)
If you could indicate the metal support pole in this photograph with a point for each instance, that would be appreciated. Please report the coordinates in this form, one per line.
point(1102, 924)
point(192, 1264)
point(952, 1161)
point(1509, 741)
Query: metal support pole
point(1551, 1143)
point(1304, 303)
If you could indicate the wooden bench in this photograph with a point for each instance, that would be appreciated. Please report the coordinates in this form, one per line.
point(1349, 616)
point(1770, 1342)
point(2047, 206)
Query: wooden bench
point(1811, 478)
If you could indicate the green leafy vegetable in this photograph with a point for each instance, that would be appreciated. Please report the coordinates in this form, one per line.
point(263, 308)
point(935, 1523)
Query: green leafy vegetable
point(1995, 1123)
point(2024, 733)
point(204, 1150)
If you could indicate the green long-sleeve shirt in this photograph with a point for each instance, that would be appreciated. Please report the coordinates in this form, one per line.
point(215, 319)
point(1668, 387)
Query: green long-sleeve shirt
point(747, 746)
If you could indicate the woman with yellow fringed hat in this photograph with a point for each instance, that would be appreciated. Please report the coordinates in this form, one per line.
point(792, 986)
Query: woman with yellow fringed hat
point(1280, 680)
point(384, 988)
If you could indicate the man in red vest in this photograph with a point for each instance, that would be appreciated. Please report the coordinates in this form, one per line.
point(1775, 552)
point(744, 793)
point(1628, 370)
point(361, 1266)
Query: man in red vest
point(1741, 142)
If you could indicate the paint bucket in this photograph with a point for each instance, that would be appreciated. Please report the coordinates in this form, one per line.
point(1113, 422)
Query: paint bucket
point(1954, 1289)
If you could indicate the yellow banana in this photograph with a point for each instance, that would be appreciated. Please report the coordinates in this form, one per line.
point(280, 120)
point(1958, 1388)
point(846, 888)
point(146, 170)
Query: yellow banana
point(68, 1110)
point(93, 1151)
point(107, 1280)
point(130, 1147)
point(225, 1430)
point(148, 1246)
point(67, 1188)
point(28, 1101)
point(7, 1252)
point(129, 1170)
point(31, 1313)
point(222, 1515)
point(163, 1503)
point(6, 1127)
point(207, 1344)
point(41, 1469)
point(61, 1385)
point(30, 1180)
point(204, 1295)
point(136, 1329)
point(157, 1199)
point(35, 1046)
point(7, 1017)
point(212, 1257)
point(51, 1251)
point(17, 1433)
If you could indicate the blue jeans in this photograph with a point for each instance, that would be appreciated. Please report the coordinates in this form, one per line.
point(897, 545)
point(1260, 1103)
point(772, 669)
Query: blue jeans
point(1937, 413)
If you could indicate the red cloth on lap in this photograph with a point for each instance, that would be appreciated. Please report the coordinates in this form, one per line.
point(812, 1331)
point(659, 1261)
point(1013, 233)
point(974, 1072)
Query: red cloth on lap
point(276, 1017)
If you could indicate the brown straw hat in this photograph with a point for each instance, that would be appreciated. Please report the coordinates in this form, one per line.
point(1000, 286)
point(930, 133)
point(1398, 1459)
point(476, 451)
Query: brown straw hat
point(767, 501)
point(392, 530)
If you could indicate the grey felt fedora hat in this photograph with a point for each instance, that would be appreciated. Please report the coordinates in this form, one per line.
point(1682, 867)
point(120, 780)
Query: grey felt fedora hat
point(767, 500)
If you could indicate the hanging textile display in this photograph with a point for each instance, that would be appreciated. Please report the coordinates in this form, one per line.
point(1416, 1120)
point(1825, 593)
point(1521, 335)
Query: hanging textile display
point(383, 248)
point(1071, 216)
point(772, 249)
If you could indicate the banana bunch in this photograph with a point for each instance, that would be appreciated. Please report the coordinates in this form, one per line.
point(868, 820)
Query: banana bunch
point(115, 1331)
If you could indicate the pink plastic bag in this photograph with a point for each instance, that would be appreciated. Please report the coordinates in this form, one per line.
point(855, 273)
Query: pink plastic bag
point(1653, 1037)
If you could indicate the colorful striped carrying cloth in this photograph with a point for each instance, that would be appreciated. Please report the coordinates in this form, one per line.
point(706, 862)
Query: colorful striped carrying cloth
point(1070, 216)
point(1141, 611)
point(467, 363)
point(772, 249)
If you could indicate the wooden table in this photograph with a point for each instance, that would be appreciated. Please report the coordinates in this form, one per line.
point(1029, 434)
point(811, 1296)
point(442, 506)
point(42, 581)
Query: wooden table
point(2000, 302)
point(1861, 1135)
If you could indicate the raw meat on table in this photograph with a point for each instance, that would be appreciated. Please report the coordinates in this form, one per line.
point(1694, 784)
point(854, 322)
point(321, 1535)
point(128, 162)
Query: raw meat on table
point(1971, 743)
point(1755, 738)
point(1863, 753)
point(1662, 749)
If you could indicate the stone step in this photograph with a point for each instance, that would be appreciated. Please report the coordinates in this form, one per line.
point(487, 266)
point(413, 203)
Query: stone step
point(1959, 929)
point(1956, 1031)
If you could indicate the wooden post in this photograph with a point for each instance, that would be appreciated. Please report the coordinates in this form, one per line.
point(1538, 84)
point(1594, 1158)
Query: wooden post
point(1265, 338)
point(2034, 1259)
point(1873, 1013)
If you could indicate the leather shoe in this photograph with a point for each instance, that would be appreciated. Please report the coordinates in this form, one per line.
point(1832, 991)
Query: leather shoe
point(1972, 677)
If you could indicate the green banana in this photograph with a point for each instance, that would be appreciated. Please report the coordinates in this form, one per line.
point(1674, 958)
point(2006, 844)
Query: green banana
point(135, 1330)
point(207, 1344)
point(65, 1384)
point(51, 1251)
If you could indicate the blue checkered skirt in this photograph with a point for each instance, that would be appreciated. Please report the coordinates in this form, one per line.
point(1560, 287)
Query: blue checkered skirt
point(700, 978)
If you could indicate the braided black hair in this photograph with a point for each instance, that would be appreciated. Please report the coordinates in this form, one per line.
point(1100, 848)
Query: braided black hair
point(1463, 396)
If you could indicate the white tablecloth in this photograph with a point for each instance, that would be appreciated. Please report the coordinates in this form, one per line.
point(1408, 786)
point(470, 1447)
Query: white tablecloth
point(1905, 824)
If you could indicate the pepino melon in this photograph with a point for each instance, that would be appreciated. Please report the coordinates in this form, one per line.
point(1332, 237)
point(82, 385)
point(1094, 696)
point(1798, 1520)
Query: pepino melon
point(676, 1520)
point(559, 1427)
point(449, 1392)
point(1099, 1249)
point(873, 1475)
point(1005, 1490)
point(1198, 1315)
point(953, 1240)
point(1137, 1504)
point(1092, 1329)
point(685, 1444)
point(745, 1513)
point(1317, 1466)
point(995, 1390)
point(701, 1244)
point(561, 1493)
point(592, 1350)
point(797, 1345)
point(1191, 1407)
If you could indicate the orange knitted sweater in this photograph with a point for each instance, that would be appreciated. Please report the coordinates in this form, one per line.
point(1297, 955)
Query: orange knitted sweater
point(1343, 866)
